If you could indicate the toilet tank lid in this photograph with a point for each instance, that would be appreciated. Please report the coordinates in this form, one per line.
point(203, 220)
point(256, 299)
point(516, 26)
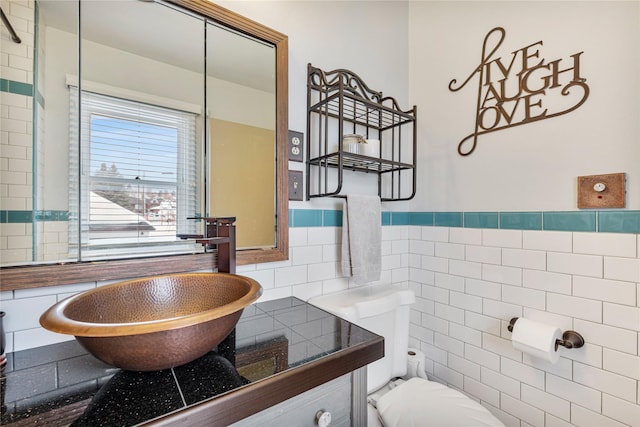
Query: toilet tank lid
point(364, 301)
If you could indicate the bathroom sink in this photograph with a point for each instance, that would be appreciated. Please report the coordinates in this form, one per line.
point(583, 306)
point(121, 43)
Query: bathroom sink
point(157, 322)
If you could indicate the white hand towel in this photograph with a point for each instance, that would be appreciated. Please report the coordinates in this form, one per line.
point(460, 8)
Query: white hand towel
point(361, 238)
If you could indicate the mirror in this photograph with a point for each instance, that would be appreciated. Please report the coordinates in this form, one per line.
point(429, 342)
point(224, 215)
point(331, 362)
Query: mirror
point(241, 106)
point(142, 110)
point(166, 116)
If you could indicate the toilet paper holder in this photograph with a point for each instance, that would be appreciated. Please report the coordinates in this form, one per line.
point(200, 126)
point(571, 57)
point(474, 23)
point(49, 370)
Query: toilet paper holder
point(570, 339)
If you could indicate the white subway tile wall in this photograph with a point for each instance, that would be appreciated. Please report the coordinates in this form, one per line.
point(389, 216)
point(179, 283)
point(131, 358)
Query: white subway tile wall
point(462, 311)
point(587, 282)
point(468, 282)
point(16, 128)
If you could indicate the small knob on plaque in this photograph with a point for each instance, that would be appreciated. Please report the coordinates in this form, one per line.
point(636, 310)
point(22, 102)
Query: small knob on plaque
point(599, 187)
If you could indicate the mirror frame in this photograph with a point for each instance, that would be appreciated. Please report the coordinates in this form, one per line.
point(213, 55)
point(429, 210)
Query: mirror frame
point(36, 276)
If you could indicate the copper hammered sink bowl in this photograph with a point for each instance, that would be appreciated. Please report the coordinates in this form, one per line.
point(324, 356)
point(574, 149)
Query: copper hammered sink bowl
point(156, 322)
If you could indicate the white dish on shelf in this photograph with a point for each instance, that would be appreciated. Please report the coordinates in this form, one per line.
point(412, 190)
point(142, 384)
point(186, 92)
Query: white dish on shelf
point(351, 143)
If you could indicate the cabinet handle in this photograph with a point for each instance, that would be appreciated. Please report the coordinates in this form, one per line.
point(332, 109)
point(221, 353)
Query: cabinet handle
point(323, 418)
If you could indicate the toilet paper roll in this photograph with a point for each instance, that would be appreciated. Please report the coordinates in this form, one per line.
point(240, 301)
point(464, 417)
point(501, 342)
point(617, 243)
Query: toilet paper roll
point(537, 339)
point(371, 148)
point(415, 363)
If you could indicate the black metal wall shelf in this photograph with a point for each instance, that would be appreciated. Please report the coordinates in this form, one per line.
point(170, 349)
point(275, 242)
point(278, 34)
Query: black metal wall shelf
point(340, 103)
point(359, 162)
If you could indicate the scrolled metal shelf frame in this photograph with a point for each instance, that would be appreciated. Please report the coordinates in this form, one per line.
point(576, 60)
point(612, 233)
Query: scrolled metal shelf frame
point(342, 97)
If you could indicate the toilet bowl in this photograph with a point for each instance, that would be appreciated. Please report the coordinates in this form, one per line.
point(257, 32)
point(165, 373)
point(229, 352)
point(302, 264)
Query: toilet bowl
point(395, 401)
point(420, 402)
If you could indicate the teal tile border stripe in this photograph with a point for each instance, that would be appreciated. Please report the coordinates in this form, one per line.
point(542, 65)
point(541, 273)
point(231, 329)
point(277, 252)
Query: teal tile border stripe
point(481, 219)
point(17, 88)
point(619, 222)
point(574, 221)
point(21, 217)
point(587, 221)
point(521, 220)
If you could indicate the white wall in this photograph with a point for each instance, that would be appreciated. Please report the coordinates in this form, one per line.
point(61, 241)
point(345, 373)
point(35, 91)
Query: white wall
point(533, 166)
point(470, 282)
point(367, 38)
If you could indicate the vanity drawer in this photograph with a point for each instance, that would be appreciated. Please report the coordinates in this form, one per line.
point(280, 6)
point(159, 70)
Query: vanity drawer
point(300, 411)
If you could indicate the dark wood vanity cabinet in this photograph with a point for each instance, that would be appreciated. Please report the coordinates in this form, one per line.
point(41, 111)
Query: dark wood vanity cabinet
point(285, 362)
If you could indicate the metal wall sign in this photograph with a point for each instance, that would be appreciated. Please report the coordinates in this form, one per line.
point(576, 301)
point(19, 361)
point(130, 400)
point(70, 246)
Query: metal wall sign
point(521, 87)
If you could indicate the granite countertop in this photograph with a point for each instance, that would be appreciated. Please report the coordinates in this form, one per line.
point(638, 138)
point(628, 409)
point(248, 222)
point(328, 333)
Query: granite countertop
point(278, 350)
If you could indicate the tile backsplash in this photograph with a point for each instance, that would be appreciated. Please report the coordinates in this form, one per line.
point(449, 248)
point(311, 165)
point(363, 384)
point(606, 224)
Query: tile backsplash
point(469, 282)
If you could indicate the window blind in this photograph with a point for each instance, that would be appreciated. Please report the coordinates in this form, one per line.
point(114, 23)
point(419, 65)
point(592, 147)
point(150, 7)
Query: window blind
point(133, 180)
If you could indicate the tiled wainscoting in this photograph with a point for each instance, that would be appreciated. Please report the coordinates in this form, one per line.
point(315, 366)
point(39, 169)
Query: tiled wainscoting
point(469, 282)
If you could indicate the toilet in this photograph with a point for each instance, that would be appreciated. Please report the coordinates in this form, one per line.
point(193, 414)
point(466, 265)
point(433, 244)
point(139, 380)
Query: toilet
point(395, 400)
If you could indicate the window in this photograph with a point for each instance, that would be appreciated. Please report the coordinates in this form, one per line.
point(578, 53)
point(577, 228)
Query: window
point(133, 180)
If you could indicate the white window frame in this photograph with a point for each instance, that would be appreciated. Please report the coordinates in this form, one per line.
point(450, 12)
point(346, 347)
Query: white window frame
point(186, 183)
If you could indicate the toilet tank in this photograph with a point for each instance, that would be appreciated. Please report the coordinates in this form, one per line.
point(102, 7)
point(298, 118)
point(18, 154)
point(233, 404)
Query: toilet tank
point(383, 310)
